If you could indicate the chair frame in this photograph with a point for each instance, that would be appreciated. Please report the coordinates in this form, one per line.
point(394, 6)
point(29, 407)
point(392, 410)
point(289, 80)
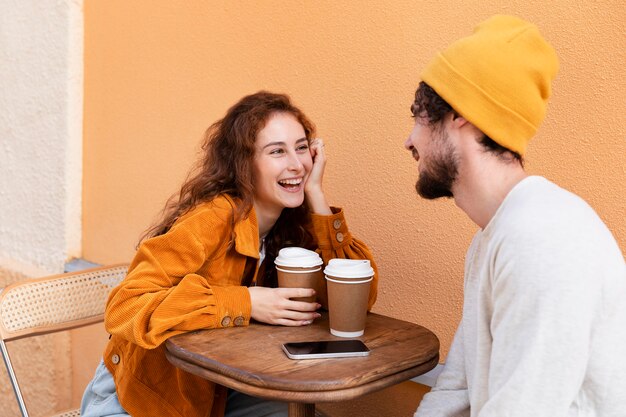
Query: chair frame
point(52, 304)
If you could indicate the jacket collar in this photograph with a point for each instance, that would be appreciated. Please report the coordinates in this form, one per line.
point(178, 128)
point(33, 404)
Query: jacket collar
point(246, 232)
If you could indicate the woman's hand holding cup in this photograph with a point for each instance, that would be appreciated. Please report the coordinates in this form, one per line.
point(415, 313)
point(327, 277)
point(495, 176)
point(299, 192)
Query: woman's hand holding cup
point(273, 306)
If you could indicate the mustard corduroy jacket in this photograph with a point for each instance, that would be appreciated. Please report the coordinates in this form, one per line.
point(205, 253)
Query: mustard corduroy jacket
point(189, 279)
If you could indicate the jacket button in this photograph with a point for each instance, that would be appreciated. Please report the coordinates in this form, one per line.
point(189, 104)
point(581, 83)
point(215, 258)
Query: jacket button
point(226, 321)
point(115, 359)
point(337, 224)
point(339, 237)
point(239, 321)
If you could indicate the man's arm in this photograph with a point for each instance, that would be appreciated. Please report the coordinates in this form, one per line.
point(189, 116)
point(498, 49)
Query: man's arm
point(449, 397)
point(544, 300)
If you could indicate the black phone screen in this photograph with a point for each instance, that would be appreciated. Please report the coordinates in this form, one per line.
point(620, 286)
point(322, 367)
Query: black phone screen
point(325, 349)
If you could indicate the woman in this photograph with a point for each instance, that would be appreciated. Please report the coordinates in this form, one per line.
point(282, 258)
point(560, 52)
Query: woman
point(209, 263)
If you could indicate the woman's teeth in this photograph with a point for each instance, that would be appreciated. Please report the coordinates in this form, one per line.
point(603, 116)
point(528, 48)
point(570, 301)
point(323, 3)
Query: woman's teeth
point(290, 183)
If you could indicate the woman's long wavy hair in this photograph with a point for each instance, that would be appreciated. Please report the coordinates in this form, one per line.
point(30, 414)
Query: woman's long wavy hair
point(228, 151)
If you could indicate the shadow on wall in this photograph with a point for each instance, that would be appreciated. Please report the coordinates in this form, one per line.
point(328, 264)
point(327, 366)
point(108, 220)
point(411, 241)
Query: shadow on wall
point(46, 377)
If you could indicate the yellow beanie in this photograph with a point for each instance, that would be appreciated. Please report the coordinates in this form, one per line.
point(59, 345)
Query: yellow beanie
point(498, 78)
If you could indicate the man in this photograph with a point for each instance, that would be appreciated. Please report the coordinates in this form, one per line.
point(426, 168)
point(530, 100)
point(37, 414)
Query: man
point(543, 331)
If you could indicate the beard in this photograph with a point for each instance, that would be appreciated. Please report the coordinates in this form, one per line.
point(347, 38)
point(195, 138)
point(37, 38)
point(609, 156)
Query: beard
point(439, 175)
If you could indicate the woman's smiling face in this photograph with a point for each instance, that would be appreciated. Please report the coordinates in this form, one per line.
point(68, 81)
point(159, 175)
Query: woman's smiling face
point(282, 163)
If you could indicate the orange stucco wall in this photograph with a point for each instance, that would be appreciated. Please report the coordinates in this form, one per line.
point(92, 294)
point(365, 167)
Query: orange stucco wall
point(157, 73)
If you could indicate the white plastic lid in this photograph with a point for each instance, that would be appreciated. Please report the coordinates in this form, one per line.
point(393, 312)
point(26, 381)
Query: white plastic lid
point(349, 268)
point(297, 257)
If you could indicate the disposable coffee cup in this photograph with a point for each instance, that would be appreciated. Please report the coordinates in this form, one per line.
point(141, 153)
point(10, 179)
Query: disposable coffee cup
point(301, 268)
point(348, 283)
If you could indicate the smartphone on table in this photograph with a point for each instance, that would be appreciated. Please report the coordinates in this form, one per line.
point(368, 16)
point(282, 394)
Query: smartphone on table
point(325, 349)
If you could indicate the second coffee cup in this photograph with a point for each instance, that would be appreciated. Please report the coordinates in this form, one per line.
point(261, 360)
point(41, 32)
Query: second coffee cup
point(301, 268)
point(349, 282)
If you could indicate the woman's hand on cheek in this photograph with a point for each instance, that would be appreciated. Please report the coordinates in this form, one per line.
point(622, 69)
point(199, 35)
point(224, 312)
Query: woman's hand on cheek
point(313, 188)
point(273, 306)
point(314, 182)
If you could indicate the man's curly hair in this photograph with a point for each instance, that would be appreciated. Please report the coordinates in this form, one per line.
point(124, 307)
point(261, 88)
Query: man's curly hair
point(429, 105)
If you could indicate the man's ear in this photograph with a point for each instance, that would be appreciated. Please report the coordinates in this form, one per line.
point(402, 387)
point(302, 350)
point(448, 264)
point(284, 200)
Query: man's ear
point(461, 124)
point(459, 127)
point(458, 120)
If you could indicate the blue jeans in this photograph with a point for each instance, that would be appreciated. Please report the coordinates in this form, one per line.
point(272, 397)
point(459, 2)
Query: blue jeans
point(241, 405)
point(100, 400)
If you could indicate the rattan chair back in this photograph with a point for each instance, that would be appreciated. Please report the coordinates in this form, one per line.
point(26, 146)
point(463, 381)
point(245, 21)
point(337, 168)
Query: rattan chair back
point(51, 304)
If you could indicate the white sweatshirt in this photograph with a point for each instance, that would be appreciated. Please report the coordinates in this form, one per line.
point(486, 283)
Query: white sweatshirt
point(543, 331)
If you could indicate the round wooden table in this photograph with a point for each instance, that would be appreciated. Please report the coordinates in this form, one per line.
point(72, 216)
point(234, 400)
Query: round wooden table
point(250, 360)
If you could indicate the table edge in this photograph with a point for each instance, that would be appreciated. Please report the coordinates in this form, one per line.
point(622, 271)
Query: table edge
point(282, 394)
